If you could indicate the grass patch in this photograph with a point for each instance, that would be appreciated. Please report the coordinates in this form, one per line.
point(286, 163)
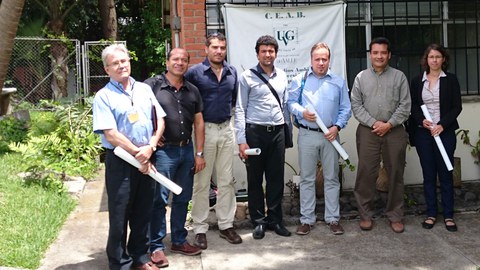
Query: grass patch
point(30, 217)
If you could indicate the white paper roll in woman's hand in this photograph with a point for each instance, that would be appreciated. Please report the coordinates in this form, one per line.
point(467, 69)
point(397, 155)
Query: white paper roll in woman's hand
point(253, 151)
point(121, 153)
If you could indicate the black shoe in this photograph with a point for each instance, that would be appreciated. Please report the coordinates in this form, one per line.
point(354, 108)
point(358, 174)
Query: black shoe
point(259, 231)
point(279, 229)
point(430, 224)
point(452, 227)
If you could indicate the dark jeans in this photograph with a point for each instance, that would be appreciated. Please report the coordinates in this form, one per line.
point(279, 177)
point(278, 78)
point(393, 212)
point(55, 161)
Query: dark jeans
point(271, 162)
point(130, 197)
point(432, 165)
point(176, 163)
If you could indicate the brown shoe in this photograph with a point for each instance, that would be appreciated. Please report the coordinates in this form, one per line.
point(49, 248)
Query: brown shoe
point(159, 258)
point(186, 249)
point(145, 266)
point(336, 228)
point(200, 241)
point(366, 224)
point(231, 236)
point(397, 226)
point(303, 229)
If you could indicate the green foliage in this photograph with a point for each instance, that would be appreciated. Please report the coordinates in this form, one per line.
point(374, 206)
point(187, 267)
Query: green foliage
point(42, 123)
point(30, 216)
point(12, 130)
point(475, 151)
point(72, 148)
point(146, 36)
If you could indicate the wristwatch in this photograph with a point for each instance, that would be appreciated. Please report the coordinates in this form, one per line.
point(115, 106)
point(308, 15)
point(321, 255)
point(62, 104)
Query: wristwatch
point(199, 154)
point(338, 127)
point(154, 148)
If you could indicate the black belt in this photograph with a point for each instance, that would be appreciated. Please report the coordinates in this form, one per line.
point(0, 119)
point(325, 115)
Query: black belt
point(267, 128)
point(312, 129)
point(180, 143)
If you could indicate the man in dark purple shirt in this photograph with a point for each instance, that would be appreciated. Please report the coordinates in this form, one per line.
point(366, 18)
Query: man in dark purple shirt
point(217, 82)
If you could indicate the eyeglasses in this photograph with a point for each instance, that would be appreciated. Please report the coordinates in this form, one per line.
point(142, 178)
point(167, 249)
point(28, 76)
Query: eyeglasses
point(117, 64)
point(435, 57)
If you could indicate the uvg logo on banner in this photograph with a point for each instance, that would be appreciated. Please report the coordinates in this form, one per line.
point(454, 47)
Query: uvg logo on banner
point(285, 36)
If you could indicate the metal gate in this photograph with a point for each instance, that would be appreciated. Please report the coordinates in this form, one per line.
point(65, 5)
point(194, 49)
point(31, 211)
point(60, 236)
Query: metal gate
point(37, 74)
point(94, 76)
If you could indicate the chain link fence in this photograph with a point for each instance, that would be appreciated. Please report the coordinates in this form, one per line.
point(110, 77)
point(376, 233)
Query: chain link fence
point(94, 76)
point(44, 69)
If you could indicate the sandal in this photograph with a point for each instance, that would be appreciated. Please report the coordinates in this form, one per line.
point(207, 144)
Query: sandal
point(429, 222)
point(452, 227)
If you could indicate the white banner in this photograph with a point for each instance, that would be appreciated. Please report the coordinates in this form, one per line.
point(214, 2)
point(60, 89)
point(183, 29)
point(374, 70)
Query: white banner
point(296, 29)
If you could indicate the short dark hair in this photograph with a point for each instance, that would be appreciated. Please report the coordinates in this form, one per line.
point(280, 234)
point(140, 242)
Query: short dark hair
point(169, 54)
point(266, 40)
point(380, 40)
point(436, 47)
point(216, 35)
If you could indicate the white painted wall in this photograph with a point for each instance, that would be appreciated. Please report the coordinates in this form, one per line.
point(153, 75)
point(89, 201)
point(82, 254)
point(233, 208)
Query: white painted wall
point(468, 119)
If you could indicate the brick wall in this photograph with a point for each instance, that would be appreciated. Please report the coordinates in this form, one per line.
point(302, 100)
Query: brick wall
point(193, 28)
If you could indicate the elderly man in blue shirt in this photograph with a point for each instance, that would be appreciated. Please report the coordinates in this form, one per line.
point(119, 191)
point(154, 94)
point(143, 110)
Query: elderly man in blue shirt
point(124, 115)
point(327, 94)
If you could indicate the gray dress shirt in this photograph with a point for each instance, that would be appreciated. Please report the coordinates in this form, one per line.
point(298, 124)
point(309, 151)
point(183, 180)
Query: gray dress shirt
point(383, 97)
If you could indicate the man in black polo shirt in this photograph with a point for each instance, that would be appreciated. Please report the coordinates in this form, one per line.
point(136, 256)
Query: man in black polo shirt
point(175, 157)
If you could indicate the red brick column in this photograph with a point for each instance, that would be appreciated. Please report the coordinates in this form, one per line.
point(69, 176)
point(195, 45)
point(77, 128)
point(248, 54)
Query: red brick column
point(193, 28)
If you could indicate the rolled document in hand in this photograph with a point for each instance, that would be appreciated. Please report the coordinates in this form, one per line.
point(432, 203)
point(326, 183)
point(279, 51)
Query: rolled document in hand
point(253, 151)
point(324, 128)
point(121, 153)
point(438, 140)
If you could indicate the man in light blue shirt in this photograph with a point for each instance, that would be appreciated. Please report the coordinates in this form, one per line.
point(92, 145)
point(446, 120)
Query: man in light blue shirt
point(127, 114)
point(327, 93)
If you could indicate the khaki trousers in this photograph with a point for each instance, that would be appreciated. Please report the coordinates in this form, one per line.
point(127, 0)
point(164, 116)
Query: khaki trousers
point(371, 149)
point(218, 151)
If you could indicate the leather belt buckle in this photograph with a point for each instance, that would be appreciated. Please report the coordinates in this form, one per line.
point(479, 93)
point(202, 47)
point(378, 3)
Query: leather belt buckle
point(183, 143)
point(270, 128)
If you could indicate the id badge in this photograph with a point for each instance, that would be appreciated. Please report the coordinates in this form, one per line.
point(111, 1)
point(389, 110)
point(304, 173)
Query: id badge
point(133, 117)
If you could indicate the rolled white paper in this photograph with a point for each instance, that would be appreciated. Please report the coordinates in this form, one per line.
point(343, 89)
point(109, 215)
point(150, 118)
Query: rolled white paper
point(253, 151)
point(121, 153)
point(438, 140)
point(324, 128)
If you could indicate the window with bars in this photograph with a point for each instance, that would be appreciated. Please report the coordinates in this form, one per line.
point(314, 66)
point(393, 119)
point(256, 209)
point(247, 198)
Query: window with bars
point(409, 25)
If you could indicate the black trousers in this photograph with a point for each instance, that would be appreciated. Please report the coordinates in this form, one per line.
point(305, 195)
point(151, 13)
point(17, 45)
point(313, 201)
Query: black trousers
point(271, 163)
point(130, 200)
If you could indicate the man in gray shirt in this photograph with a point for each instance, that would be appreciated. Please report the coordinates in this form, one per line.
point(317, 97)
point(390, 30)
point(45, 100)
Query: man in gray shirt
point(259, 124)
point(381, 103)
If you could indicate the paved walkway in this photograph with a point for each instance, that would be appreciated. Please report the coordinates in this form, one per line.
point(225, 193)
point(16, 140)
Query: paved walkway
point(81, 245)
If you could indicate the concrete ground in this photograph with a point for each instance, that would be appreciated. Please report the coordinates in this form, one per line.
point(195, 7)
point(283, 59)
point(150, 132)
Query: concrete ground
point(81, 245)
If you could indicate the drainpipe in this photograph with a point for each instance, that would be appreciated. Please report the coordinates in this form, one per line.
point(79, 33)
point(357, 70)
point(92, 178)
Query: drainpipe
point(176, 24)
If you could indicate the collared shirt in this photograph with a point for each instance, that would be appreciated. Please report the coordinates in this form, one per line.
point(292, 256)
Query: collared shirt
point(431, 96)
point(328, 95)
point(255, 102)
point(218, 96)
point(383, 97)
point(127, 110)
point(180, 106)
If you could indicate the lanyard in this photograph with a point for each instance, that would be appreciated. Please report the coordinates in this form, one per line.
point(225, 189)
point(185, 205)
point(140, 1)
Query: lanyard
point(125, 92)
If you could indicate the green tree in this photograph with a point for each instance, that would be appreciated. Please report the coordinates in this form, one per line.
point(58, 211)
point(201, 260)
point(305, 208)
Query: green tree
point(10, 13)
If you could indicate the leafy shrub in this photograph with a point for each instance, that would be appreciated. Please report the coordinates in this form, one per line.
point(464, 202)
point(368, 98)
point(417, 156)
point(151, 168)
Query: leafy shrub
point(12, 130)
point(42, 123)
point(72, 148)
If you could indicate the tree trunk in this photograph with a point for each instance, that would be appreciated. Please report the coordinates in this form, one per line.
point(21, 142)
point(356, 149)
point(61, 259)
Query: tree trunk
point(10, 12)
point(109, 19)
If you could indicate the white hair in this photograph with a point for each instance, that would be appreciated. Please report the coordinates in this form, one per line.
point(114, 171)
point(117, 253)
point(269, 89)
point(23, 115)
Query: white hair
point(111, 50)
